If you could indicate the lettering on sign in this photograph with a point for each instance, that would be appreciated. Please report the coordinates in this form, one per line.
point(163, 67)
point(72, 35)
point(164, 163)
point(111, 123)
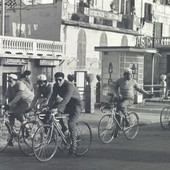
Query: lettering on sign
point(144, 42)
point(102, 14)
point(48, 62)
point(14, 61)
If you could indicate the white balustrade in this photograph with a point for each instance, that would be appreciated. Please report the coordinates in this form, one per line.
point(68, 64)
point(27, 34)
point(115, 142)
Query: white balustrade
point(24, 46)
point(162, 42)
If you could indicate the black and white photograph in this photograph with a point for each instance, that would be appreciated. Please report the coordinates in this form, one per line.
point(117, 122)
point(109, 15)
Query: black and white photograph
point(84, 84)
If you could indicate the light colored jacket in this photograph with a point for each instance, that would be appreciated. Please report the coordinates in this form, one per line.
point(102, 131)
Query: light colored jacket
point(22, 93)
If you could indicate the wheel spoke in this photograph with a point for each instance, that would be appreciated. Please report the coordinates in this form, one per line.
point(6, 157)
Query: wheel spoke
point(106, 128)
point(132, 129)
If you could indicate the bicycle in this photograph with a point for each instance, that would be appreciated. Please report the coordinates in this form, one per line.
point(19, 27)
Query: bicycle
point(113, 123)
point(20, 135)
point(165, 118)
point(105, 107)
point(46, 139)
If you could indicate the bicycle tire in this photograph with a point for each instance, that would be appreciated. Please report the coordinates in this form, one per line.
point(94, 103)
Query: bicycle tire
point(131, 130)
point(5, 135)
point(26, 134)
point(84, 138)
point(107, 128)
point(165, 118)
point(45, 143)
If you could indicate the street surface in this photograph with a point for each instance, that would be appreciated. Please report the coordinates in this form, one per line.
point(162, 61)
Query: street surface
point(150, 150)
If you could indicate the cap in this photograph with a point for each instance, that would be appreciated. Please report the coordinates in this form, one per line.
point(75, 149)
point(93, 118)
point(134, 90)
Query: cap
point(128, 71)
point(13, 76)
point(41, 77)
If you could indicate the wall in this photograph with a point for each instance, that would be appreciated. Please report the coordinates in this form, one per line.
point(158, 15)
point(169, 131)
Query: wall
point(69, 35)
point(39, 21)
point(120, 61)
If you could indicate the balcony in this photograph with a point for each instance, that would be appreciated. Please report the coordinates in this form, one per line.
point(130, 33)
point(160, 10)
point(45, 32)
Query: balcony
point(86, 14)
point(162, 42)
point(32, 48)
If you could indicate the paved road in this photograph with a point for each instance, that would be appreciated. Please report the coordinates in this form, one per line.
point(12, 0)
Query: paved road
point(149, 151)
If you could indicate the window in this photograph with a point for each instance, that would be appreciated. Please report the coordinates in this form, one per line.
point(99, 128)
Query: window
point(148, 12)
point(81, 49)
point(103, 42)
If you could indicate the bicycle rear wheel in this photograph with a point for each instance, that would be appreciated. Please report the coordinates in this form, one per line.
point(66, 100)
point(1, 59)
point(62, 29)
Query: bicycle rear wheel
point(44, 143)
point(131, 130)
point(26, 134)
point(107, 128)
point(84, 138)
point(165, 118)
point(5, 135)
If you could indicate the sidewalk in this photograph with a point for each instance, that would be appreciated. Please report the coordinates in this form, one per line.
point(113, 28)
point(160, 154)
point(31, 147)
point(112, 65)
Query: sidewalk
point(148, 113)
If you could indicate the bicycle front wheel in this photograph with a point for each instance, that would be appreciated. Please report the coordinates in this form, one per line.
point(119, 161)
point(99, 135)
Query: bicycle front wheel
point(44, 143)
point(165, 118)
point(107, 128)
point(84, 138)
point(5, 135)
point(131, 127)
point(27, 132)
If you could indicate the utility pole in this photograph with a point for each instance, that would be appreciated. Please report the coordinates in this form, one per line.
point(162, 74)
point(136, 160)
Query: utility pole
point(3, 18)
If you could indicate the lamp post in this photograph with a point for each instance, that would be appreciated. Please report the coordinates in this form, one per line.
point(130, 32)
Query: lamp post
point(110, 70)
point(133, 70)
point(3, 18)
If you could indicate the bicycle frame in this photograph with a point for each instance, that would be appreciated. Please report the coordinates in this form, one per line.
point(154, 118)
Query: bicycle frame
point(56, 125)
point(113, 111)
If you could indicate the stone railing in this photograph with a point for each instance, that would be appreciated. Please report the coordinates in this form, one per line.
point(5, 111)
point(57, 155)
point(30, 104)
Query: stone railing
point(34, 47)
point(162, 42)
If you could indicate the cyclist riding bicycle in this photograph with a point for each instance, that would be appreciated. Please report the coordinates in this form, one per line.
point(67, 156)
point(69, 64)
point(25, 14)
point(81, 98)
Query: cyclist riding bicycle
point(19, 99)
point(44, 90)
point(70, 104)
point(124, 89)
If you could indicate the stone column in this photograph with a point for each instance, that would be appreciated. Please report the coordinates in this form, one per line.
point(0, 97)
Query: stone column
point(89, 94)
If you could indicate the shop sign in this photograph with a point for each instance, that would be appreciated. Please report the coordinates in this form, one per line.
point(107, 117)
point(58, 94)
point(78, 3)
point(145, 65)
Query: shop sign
point(14, 61)
point(48, 62)
point(102, 14)
point(144, 42)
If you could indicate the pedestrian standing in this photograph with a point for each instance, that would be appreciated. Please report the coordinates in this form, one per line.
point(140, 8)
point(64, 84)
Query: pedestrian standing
point(25, 78)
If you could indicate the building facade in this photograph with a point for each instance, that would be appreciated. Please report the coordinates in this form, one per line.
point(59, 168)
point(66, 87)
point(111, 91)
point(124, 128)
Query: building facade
point(85, 24)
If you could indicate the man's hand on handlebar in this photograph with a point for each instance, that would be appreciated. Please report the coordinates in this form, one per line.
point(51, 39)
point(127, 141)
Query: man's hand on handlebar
point(6, 107)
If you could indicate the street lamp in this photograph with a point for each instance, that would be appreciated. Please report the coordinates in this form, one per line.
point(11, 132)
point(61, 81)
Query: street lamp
point(110, 70)
point(134, 69)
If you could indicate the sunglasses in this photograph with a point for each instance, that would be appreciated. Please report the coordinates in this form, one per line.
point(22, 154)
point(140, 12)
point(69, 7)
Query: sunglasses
point(58, 80)
point(40, 82)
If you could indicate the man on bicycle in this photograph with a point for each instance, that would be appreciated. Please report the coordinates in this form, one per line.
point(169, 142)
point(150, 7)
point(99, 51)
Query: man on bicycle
point(124, 89)
point(70, 104)
point(44, 90)
point(19, 99)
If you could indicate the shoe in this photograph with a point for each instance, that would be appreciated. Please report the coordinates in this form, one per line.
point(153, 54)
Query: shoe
point(10, 143)
point(72, 150)
point(115, 132)
point(127, 124)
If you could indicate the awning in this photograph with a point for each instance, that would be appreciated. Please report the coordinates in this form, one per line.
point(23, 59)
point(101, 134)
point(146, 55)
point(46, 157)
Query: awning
point(125, 49)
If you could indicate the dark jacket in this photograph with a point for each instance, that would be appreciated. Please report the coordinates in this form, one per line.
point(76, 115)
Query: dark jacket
point(68, 92)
